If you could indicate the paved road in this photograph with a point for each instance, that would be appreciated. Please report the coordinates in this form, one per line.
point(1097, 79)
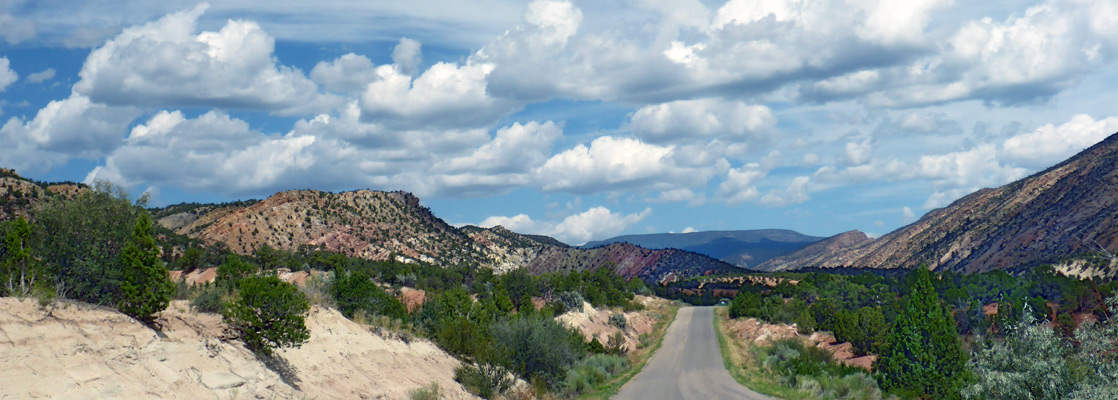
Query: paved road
point(688, 365)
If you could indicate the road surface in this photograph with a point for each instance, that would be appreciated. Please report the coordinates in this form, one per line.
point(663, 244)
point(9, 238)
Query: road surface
point(688, 365)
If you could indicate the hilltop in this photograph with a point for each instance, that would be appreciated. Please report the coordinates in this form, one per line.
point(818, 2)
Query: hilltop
point(1064, 215)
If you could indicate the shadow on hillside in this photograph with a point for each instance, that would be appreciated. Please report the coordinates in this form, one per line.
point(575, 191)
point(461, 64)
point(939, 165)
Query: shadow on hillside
point(281, 367)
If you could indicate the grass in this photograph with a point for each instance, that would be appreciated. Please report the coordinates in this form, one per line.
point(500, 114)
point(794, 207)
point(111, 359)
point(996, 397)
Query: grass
point(741, 365)
point(791, 370)
point(638, 358)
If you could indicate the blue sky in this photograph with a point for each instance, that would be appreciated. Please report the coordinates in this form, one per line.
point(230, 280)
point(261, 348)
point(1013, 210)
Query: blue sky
point(580, 120)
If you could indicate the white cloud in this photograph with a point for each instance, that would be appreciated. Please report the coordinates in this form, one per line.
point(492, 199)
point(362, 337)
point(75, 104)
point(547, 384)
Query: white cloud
point(890, 22)
point(908, 214)
point(407, 56)
point(505, 162)
point(689, 230)
point(856, 154)
point(796, 192)
point(164, 64)
point(41, 76)
point(349, 73)
point(1050, 144)
point(593, 224)
point(64, 129)
point(974, 168)
point(611, 163)
point(704, 118)
point(7, 76)
point(445, 95)
point(213, 152)
point(16, 30)
point(740, 184)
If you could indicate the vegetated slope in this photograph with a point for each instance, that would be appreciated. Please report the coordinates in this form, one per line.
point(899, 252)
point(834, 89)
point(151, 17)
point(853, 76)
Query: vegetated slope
point(19, 195)
point(1066, 212)
point(393, 225)
point(745, 248)
point(82, 351)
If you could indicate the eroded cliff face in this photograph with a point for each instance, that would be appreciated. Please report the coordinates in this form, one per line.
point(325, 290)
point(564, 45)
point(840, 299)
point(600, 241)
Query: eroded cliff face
point(81, 351)
point(1060, 214)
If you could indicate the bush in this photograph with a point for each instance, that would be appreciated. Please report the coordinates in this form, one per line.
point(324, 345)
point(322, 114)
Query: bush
point(357, 291)
point(210, 300)
point(429, 392)
point(145, 288)
point(571, 301)
point(268, 314)
point(536, 347)
point(592, 371)
point(618, 320)
point(486, 381)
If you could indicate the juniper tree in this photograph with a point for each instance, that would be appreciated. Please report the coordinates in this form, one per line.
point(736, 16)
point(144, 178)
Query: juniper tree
point(146, 288)
point(923, 356)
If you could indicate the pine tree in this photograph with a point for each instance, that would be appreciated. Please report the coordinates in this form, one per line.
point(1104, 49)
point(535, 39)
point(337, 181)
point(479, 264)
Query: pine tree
point(923, 356)
point(146, 288)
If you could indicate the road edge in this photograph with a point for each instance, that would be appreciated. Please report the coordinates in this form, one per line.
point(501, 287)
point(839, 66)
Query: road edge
point(613, 387)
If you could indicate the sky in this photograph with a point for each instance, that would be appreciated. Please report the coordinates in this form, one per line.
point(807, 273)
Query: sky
point(578, 120)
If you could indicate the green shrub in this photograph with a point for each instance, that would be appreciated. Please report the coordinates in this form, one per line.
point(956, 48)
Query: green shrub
point(618, 320)
point(571, 301)
point(210, 300)
point(145, 288)
point(429, 392)
point(486, 380)
point(534, 347)
point(268, 314)
point(357, 291)
point(233, 270)
point(591, 372)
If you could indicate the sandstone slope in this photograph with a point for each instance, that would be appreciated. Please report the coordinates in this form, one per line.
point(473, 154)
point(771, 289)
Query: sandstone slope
point(1066, 212)
point(85, 352)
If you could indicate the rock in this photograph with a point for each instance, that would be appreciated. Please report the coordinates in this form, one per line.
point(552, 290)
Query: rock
point(221, 380)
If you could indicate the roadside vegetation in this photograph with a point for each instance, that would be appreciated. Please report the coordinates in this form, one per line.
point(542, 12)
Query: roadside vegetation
point(102, 247)
point(1038, 334)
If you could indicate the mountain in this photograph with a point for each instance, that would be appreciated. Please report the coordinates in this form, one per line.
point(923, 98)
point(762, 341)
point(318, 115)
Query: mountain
point(393, 225)
point(1064, 215)
point(741, 248)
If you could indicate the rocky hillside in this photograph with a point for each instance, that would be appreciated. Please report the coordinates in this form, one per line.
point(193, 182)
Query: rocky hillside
point(363, 223)
point(19, 195)
point(816, 253)
point(745, 249)
point(393, 225)
point(1061, 215)
point(81, 351)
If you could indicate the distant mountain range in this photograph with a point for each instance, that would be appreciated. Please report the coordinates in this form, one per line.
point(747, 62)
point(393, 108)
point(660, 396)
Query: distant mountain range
point(743, 248)
point(1066, 215)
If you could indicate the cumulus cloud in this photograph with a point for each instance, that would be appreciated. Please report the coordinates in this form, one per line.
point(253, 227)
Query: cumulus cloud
point(1051, 144)
point(704, 118)
point(165, 64)
point(212, 152)
point(65, 129)
point(740, 184)
point(41, 76)
point(856, 154)
point(689, 230)
point(446, 95)
point(592, 224)
point(7, 76)
point(407, 56)
point(611, 163)
point(795, 193)
point(348, 73)
point(680, 195)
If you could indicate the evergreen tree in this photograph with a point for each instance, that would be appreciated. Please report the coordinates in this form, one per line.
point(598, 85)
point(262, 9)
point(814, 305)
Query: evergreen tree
point(268, 313)
point(19, 266)
point(501, 296)
point(146, 289)
point(923, 356)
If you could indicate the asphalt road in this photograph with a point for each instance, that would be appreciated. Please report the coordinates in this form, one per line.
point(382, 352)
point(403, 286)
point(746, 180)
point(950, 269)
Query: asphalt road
point(688, 365)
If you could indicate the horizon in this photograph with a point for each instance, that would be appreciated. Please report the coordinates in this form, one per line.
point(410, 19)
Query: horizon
point(577, 120)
